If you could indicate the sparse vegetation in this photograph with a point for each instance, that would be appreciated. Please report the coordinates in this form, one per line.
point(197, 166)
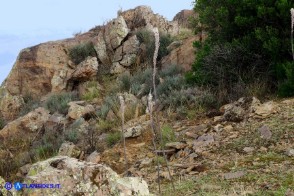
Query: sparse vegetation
point(92, 91)
point(80, 52)
point(113, 138)
point(30, 104)
point(58, 102)
point(147, 37)
point(2, 123)
point(168, 135)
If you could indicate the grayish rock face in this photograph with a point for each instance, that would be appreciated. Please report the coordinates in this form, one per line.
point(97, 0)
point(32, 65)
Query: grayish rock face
point(78, 109)
point(82, 178)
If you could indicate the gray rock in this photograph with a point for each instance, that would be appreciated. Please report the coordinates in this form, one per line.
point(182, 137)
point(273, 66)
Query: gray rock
point(265, 132)
point(234, 175)
point(94, 157)
point(69, 149)
point(248, 149)
point(133, 131)
point(78, 109)
point(82, 178)
point(86, 69)
point(290, 152)
point(176, 145)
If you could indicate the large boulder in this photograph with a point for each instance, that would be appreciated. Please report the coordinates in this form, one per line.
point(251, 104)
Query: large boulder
point(85, 70)
point(29, 124)
point(10, 105)
point(143, 17)
point(69, 149)
point(115, 32)
point(81, 178)
point(78, 109)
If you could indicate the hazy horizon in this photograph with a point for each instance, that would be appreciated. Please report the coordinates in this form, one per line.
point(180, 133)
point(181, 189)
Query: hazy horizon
point(38, 22)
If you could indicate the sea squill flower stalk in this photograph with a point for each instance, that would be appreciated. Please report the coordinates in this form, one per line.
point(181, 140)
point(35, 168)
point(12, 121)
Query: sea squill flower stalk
point(157, 44)
point(122, 109)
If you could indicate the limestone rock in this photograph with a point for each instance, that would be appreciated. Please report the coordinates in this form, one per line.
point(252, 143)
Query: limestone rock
point(133, 131)
point(117, 68)
point(69, 149)
point(234, 175)
point(234, 113)
point(248, 149)
point(78, 177)
point(115, 32)
point(290, 152)
point(78, 109)
point(86, 69)
point(143, 17)
point(265, 132)
point(59, 80)
point(101, 49)
point(30, 123)
point(55, 120)
point(176, 145)
point(94, 157)
point(182, 18)
point(10, 105)
point(264, 110)
point(183, 56)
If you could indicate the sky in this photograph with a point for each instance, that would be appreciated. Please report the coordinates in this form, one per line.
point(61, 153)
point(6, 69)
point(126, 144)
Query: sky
point(28, 23)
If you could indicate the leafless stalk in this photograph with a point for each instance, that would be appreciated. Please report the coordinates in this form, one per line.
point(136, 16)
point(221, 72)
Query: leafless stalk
point(150, 110)
point(157, 44)
point(122, 109)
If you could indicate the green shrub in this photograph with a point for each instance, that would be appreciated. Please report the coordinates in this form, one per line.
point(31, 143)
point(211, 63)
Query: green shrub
point(190, 97)
point(2, 123)
point(125, 82)
point(72, 132)
point(228, 69)
point(285, 72)
point(168, 135)
point(30, 104)
point(147, 37)
point(243, 44)
point(58, 102)
point(93, 91)
point(105, 125)
point(113, 138)
point(80, 52)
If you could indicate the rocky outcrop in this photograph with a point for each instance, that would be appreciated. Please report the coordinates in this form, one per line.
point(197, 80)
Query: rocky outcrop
point(78, 109)
point(81, 178)
point(143, 17)
point(85, 70)
point(10, 105)
point(27, 125)
point(183, 18)
point(184, 55)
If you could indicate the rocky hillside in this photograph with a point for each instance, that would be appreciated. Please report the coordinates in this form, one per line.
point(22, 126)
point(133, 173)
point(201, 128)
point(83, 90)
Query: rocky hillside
point(61, 119)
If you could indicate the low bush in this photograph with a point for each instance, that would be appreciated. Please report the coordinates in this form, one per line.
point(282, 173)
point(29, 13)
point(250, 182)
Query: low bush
point(113, 138)
point(168, 135)
point(80, 52)
point(147, 37)
point(2, 123)
point(92, 91)
point(227, 70)
point(30, 104)
point(285, 72)
point(58, 102)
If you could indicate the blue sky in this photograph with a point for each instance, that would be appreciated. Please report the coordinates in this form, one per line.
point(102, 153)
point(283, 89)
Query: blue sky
point(30, 22)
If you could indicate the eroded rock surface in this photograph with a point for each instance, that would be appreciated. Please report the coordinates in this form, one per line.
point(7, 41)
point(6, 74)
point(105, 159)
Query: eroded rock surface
point(82, 178)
